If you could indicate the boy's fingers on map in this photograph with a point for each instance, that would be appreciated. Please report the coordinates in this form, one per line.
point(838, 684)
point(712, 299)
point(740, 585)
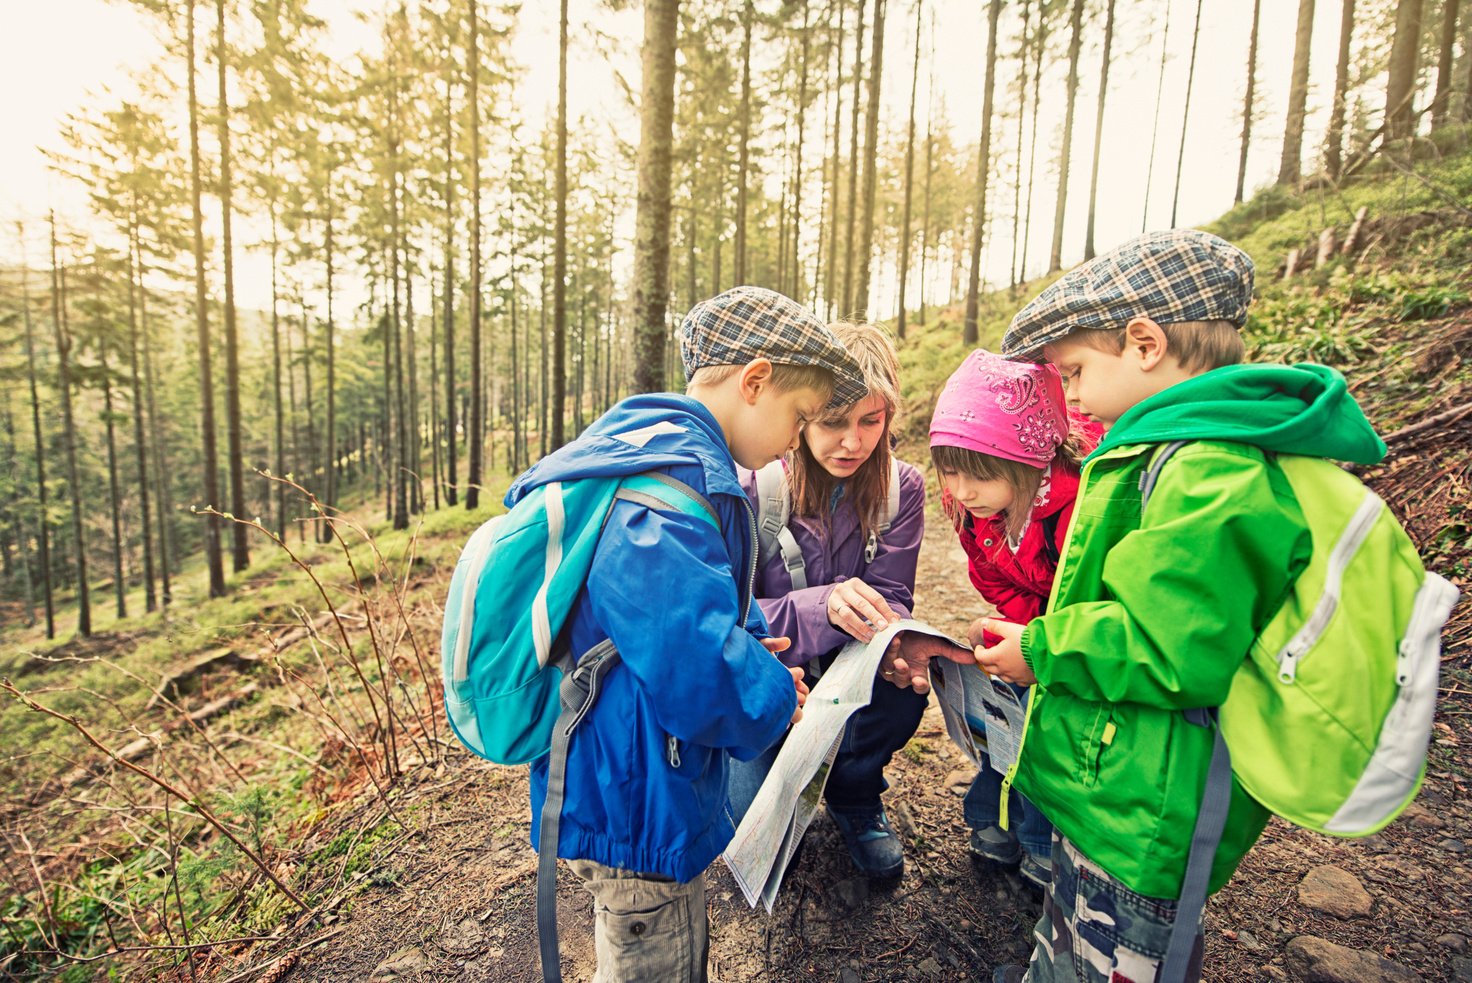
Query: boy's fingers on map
point(799, 685)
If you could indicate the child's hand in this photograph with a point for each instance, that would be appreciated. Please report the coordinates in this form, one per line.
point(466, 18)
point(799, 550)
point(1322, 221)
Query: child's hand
point(777, 644)
point(802, 690)
point(1004, 660)
point(907, 660)
point(858, 609)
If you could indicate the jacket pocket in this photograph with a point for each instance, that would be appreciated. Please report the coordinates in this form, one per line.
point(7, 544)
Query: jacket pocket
point(1097, 742)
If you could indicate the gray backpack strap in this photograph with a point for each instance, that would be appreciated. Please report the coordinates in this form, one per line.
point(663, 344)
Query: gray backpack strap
point(773, 508)
point(1210, 821)
point(578, 692)
point(1152, 473)
point(1216, 799)
point(892, 506)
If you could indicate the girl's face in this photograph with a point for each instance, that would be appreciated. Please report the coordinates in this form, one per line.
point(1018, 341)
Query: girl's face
point(982, 497)
point(842, 442)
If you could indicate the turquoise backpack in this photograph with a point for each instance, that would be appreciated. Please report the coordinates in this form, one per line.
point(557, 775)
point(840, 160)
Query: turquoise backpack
point(513, 690)
point(1329, 716)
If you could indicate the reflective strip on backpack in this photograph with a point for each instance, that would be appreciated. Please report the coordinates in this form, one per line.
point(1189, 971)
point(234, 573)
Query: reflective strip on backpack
point(1394, 772)
point(479, 549)
point(541, 621)
point(1349, 542)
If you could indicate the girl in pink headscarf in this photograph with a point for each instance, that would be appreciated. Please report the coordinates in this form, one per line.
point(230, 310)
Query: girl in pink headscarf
point(1008, 453)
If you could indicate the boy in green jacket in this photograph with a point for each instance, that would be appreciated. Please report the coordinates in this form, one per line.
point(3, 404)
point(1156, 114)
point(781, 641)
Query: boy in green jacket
point(1151, 614)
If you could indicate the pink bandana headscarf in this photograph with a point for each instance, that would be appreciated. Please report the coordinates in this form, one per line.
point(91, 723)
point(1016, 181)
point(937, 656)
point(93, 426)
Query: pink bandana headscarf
point(1011, 410)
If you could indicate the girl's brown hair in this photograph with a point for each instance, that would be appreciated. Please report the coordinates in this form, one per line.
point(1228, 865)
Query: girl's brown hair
point(868, 488)
point(1023, 479)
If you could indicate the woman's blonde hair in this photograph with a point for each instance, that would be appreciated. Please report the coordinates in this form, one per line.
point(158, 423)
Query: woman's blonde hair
point(1023, 479)
point(868, 488)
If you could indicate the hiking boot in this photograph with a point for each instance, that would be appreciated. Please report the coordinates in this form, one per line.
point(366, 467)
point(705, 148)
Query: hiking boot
point(994, 845)
point(1010, 973)
point(872, 843)
point(1038, 873)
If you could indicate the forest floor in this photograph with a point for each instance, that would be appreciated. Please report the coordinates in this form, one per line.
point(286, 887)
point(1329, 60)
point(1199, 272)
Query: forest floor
point(457, 901)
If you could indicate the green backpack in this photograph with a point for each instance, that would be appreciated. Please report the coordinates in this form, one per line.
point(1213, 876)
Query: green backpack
point(1329, 717)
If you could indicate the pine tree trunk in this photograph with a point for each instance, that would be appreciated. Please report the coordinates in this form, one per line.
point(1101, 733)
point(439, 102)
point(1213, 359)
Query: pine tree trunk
point(162, 475)
point(871, 167)
point(1442, 101)
point(1175, 202)
point(652, 224)
point(69, 434)
point(559, 272)
point(277, 410)
point(743, 161)
point(1290, 168)
point(846, 302)
point(1155, 126)
point(451, 477)
point(239, 549)
point(415, 436)
point(114, 496)
point(983, 168)
point(909, 178)
point(1040, 39)
point(329, 341)
point(1099, 129)
point(543, 386)
point(477, 397)
point(43, 532)
point(210, 462)
point(929, 173)
point(830, 271)
point(140, 447)
point(1247, 102)
point(1400, 87)
point(1065, 149)
point(1024, 43)
point(434, 395)
point(802, 115)
point(1334, 138)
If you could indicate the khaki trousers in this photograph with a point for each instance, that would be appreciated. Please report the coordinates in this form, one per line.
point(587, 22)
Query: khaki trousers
point(647, 929)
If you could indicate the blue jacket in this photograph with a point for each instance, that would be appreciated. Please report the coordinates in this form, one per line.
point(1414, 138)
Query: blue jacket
point(646, 769)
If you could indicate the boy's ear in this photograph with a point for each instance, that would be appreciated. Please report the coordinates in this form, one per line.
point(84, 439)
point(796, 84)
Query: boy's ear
point(1145, 342)
point(754, 376)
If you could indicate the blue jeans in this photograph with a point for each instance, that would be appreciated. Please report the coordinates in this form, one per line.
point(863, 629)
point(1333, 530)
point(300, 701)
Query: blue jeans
point(982, 807)
point(873, 734)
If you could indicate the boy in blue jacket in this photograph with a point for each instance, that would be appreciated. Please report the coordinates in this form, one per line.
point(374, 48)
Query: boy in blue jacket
point(645, 782)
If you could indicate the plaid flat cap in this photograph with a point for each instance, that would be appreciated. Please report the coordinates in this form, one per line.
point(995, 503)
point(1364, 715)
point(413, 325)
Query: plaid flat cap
point(752, 322)
point(1173, 276)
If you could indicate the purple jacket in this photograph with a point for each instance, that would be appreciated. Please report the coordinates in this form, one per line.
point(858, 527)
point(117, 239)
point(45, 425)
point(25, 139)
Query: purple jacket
point(802, 615)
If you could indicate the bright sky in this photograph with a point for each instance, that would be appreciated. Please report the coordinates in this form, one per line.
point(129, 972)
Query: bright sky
point(61, 55)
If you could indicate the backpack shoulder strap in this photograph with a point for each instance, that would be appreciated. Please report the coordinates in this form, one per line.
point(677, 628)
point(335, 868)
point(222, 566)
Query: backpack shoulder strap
point(1152, 473)
point(773, 509)
point(657, 490)
point(1050, 537)
point(892, 504)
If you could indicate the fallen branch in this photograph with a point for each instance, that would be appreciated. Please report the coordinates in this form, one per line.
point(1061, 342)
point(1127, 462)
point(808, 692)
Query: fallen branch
point(1439, 420)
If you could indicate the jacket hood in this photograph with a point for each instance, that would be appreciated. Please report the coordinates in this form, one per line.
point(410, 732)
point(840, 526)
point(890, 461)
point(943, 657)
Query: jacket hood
point(1289, 409)
point(640, 433)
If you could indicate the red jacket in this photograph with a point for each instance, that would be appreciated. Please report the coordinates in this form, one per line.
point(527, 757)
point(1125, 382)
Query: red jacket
point(1018, 583)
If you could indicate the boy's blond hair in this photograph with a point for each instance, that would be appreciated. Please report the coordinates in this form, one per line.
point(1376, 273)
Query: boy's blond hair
point(785, 377)
point(1198, 346)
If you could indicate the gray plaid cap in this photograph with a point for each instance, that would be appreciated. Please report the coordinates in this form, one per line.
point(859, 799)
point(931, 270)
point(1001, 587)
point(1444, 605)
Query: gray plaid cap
point(752, 322)
point(1178, 275)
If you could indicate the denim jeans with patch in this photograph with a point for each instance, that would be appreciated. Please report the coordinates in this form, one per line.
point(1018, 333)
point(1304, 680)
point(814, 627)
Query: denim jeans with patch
point(1096, 930)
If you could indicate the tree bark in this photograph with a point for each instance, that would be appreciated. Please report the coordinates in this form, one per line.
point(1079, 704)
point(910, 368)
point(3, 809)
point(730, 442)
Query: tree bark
point(1065, 155)
point(652, 223)
point(1023, 46)
point(140, 446)
point(114, 496)
point(845, 306)
point(324, 533)
point(969, 334)
point(871, 167)
point(477, 397)
point(213, 558)
point(1290, 168)
point(69, 433)
point(1175, 202)
point(43, 534)
point(1155, 126)
point(1400, 87)
point(743, 159)
point(830, 278)
point(1334, 138)
point(1098, 129)
point(559, 273)
point(1441, 102)
point(239, 549)
point(909, 178)
point(802, 115)
point(451, 476)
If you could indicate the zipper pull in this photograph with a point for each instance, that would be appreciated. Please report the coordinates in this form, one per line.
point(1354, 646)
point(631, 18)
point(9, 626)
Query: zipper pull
point(672, 750)
point(1288, 665)
point(871, 548)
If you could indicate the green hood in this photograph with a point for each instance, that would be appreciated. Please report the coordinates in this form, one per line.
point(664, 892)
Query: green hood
point(1290, 409)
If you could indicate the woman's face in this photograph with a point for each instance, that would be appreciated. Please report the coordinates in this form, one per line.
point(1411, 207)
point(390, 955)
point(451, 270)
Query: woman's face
point(843, 441)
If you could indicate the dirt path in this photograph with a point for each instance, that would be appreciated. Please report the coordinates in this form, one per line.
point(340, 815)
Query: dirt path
point(458, 902)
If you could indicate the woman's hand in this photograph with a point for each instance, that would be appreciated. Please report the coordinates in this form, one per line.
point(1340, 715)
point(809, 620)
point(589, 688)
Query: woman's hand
point(858, 609)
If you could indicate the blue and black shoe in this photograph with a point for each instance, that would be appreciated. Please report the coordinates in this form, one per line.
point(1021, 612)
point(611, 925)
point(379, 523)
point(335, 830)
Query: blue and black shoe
point(871, 842)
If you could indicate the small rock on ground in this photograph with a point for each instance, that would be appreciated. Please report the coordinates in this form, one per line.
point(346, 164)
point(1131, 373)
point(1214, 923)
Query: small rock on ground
point(1334, 891)
point(1315, 960)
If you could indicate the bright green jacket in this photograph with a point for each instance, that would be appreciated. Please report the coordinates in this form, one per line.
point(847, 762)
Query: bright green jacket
point(1151, 615)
